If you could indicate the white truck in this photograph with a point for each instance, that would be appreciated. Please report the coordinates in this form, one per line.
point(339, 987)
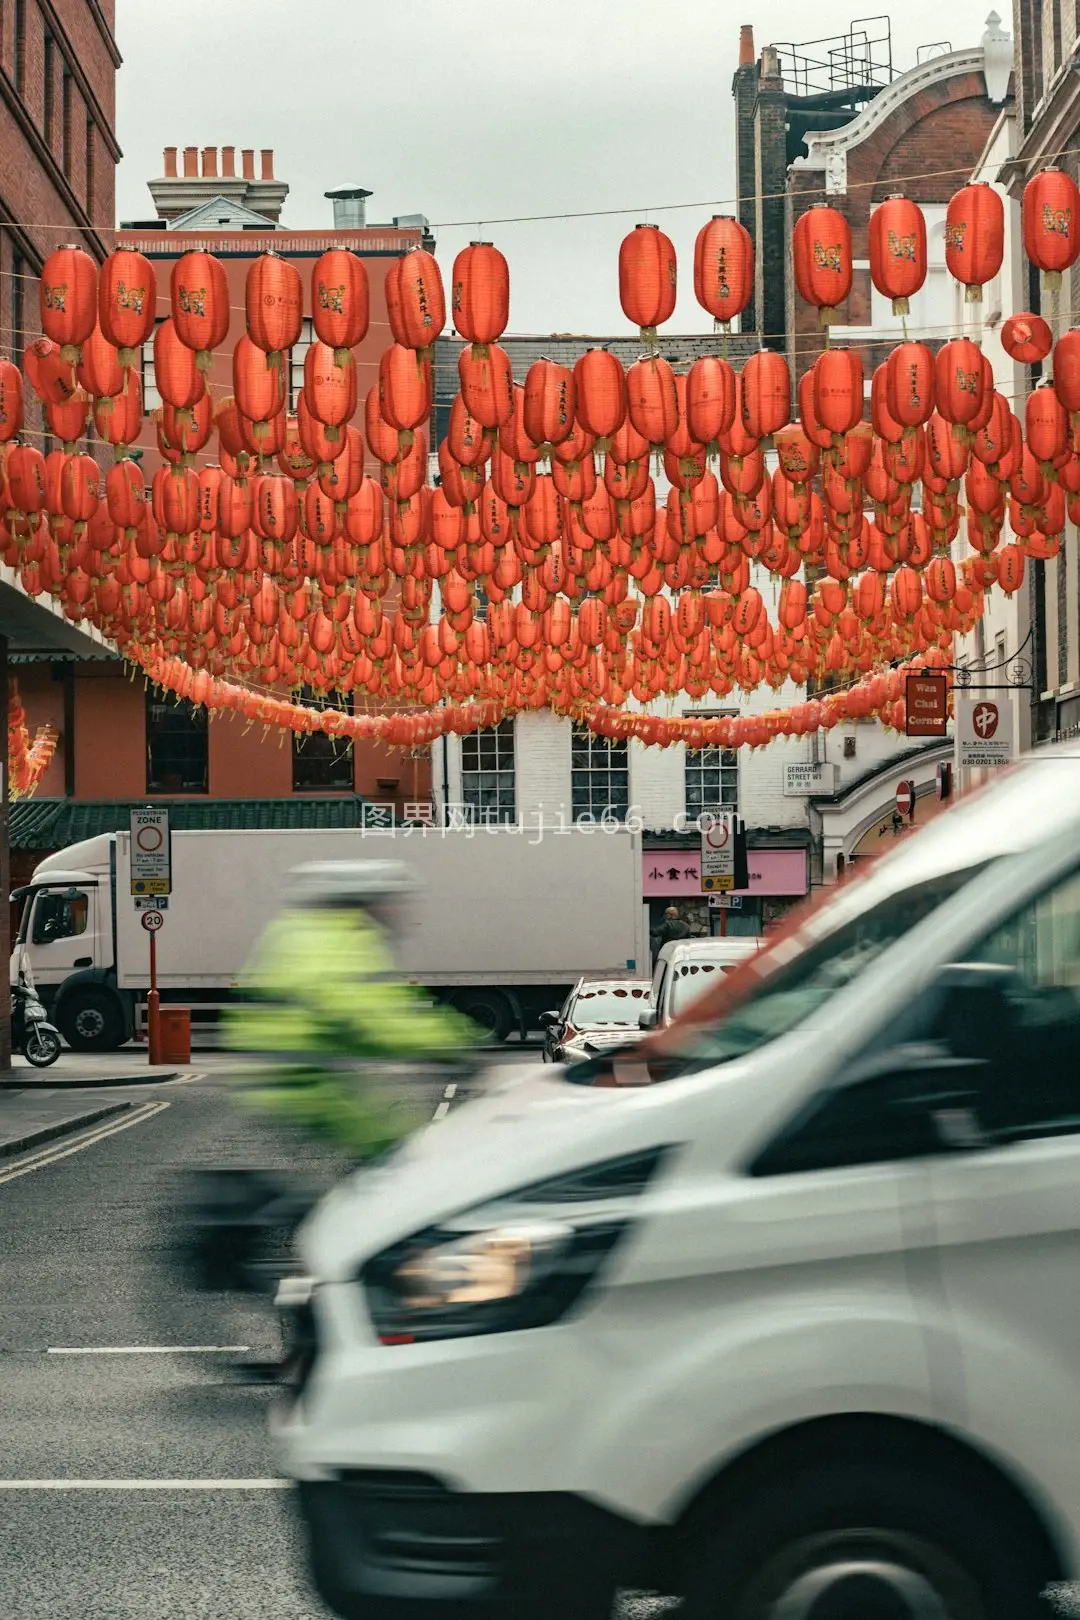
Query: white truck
point(503, 925)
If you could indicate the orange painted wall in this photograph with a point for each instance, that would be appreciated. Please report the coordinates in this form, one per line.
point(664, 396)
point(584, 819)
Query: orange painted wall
point(244, 762)
point(110, 735)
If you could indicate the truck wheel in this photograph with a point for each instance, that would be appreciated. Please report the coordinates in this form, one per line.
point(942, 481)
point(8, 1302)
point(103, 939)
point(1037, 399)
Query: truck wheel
point(490, 1011)
point(91, 1021)
point(862, 1541)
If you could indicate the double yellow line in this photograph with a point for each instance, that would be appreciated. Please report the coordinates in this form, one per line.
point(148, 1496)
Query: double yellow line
point(64, 1148)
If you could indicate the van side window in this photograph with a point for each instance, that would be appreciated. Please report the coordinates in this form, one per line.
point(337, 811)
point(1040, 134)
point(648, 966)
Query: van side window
point(1036, 1091)
point(59, 916)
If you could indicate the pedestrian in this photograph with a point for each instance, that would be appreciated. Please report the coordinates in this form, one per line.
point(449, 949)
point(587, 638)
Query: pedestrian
point(672, 927)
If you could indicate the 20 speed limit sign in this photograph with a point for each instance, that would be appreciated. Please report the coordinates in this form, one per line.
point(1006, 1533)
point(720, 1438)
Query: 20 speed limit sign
point(718, 854)
point(152, 921)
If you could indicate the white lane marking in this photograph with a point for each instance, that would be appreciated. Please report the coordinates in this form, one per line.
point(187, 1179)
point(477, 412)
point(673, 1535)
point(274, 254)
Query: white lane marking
point(144, 1349)
point(451, 1090)
point(65, 1148)
point(145, 1484)
point(442, 1111)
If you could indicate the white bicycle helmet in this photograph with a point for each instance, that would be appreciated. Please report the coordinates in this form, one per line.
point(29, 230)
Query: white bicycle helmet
point(349, 883)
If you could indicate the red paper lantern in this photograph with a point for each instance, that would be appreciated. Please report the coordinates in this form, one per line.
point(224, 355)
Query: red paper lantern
point(723, 268)
point(68, 295)
point(1051, 223)
point(274, 304)
point(651, 399)
point(975, 237)
point(481, 293)
point(177, 375)
point(1067, 369)
point(550, 402)
point(1026, 338)
point(600, 392)
point(329, 389)
point(487, 384)
point(909, 384)
point(127, 302)
point(898, 251)
point(415, 300)
point(959, 381)
point(200, 304)
point(340, 299)
point(647, 279)
point(822, 260)
point(404, 387)
point(765, 394)
point(11, 400)
point(837, 390)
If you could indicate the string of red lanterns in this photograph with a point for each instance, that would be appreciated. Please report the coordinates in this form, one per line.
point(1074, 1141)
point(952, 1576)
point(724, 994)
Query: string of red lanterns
point(541, 571)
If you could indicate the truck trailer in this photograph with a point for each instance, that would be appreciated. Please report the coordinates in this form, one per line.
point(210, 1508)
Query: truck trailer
point(503, 923)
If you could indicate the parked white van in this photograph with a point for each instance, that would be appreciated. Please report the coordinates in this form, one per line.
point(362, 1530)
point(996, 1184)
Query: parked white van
point(792, 1333)
point(686, 969)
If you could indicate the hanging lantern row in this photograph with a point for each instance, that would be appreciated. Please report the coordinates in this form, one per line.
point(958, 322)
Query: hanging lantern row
point(881, 697)
point(542, 569)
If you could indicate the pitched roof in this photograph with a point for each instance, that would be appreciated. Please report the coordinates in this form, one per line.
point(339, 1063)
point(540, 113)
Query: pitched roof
point(47, 824)
point(566, 349)
point(220, 214)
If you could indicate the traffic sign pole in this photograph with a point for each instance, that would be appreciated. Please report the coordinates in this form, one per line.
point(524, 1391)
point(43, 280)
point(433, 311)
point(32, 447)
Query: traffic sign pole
point(152, 921)
point(153, 1006)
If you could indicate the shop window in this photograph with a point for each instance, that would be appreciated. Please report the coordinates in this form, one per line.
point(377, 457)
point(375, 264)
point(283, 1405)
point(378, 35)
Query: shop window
point(712, 780)
point(177, 744)
point(599, 775)
point(322, 764)
point(488, 785)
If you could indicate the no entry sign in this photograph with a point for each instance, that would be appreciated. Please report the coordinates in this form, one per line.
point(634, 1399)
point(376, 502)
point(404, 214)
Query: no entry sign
point(905, 797)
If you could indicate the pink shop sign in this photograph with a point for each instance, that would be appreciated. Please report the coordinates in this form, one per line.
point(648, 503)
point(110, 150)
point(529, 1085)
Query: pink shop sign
point(772, 872)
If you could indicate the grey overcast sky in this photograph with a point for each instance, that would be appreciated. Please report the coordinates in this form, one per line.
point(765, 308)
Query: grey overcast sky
point(471, 110)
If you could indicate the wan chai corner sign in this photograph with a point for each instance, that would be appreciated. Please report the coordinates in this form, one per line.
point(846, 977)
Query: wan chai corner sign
point(925, 705)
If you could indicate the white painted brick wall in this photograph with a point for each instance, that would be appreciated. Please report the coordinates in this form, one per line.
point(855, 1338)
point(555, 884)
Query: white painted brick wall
point(542, 763)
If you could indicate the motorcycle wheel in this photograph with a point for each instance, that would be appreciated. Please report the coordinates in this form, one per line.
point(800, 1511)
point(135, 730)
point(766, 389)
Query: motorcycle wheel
point(42, 1047)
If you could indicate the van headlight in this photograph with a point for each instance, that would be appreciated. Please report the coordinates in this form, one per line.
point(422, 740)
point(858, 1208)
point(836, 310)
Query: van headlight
point(448, 1285)
point(521, 1267)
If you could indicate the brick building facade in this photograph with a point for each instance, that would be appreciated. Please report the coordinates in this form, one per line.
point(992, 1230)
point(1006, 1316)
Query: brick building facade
point(1047, 131)
point(921, 132)
point(58, 150)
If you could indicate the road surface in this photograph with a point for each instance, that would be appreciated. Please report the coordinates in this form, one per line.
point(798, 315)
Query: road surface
point(87, 1274)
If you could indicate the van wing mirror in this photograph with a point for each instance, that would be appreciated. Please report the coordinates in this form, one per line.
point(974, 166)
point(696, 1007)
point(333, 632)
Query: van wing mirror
point(648, 1018)
point(548, 1020)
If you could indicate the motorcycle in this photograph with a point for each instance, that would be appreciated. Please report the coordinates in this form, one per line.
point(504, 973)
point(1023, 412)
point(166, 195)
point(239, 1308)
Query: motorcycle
point(31, 1032)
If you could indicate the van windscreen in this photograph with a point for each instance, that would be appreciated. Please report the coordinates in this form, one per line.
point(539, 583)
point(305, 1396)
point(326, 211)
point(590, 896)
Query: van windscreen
point(797, 986)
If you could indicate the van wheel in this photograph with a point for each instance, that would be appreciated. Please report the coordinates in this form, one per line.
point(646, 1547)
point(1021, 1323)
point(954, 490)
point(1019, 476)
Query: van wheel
point(91, 1021)
point(851, 1541)
point(489, 1011)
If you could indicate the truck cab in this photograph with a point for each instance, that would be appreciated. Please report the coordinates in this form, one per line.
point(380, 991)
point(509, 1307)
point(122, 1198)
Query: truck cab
point(65, 947)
